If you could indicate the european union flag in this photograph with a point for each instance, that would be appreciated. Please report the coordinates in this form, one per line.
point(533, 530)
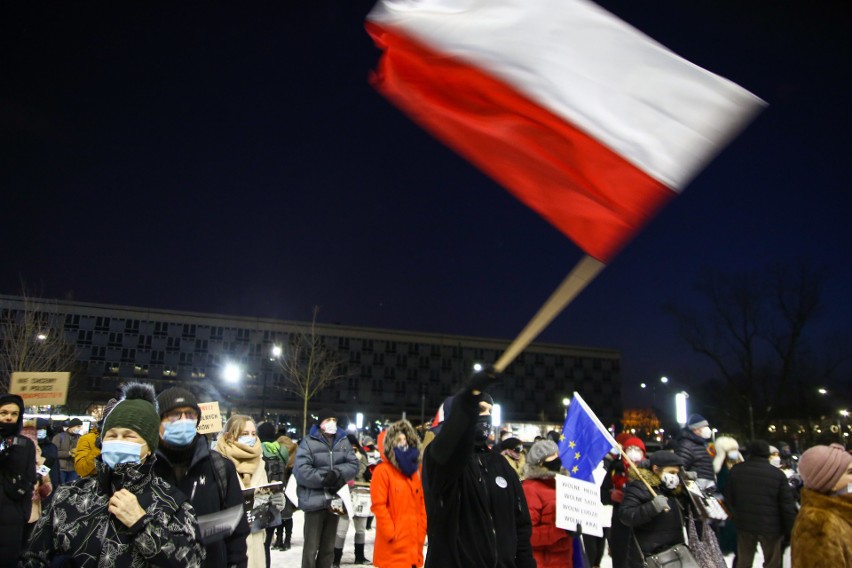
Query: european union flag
point(584, 441)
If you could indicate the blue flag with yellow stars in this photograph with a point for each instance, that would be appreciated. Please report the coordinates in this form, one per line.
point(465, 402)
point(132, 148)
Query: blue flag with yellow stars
point(584, 441)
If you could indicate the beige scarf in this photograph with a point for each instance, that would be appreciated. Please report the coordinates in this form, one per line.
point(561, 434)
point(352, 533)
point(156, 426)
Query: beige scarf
point(246, 458)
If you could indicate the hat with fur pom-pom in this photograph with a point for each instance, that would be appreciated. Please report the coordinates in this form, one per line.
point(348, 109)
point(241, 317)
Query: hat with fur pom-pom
point(137, 410)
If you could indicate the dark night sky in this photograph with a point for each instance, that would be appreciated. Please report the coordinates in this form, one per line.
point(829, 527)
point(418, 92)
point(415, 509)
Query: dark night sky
point(234, 159)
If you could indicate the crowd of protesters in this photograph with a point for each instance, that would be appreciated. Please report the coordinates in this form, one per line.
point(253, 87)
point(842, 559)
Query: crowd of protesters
point(143, 488)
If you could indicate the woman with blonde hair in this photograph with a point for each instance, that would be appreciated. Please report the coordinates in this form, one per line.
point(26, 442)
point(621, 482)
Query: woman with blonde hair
point(239, 443)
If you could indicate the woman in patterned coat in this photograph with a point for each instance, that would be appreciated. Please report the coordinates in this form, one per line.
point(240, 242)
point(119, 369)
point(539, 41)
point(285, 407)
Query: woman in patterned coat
point(125, 515)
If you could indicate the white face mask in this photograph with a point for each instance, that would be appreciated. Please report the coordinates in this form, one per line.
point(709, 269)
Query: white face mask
point(734, 455)
point(329, 427)
point(670, 480)
point(775, 460)
point(706, 433)
point(635, 455)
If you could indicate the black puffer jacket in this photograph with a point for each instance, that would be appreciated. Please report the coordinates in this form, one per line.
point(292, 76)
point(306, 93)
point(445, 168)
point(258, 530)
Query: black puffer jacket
point(695, 454)
point(761, 500)
point(200, 484)
point(475, 505)
point(655, 531)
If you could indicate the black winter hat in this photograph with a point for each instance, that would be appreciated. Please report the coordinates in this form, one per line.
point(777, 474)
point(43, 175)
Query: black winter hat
point(758, 448)
point(75, 422)
point(665, 458)
point(266, 432)
point(696, 421)
point(324, 414)
point(177, 397)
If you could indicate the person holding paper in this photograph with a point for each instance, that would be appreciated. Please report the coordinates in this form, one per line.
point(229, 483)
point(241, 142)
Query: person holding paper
point(325, 462)
point(552, 547)
point(239, 443)
point(185, 460)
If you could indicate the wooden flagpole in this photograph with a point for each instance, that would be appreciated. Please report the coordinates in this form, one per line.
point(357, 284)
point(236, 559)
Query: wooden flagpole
point(574, 283)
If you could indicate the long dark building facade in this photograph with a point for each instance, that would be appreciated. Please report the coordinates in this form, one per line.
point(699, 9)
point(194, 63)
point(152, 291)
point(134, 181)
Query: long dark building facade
point(383, 373)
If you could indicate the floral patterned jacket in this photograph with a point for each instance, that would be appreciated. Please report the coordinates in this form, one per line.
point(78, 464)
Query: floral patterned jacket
point(78, 530)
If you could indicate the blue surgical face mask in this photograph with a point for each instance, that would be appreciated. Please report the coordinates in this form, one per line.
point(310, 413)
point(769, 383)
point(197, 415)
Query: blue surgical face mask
point(114, 452)
point(179, 432)
point(247, 441)
point(41, 434)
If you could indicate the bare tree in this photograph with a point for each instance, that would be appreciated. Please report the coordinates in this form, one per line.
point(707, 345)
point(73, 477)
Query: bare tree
point(756, 332)
point(309, 366)
point(32, 338)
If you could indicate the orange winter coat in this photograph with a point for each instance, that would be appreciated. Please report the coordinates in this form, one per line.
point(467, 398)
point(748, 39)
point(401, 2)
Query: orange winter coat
point(399, 507)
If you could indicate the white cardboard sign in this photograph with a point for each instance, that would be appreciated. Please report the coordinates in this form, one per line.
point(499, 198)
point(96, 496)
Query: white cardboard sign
point(578, 503)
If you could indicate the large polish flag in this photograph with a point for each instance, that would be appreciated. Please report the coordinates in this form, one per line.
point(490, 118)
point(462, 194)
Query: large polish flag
point(583, 118)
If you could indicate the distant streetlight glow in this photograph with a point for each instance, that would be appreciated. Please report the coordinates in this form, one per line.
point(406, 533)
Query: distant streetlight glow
point(664, 380)
point(277, 351)
point(477, 367)
point(844, 413)
point(566, 401)
point(359, 420)
point(643, 386)
point(41, 336)
point(822, 391)
point(232, 372)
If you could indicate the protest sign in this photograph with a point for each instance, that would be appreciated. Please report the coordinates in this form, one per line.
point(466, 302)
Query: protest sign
point(211, 418)
point(40, 389)
point(263, 505)
point(578, 502)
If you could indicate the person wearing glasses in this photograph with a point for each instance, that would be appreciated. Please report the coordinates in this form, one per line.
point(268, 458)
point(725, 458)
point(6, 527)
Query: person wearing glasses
point(185, 460)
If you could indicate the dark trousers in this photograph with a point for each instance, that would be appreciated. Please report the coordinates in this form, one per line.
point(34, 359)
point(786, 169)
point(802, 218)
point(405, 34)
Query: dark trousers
point(320, 530)
point(595, 547)
point(747, 545)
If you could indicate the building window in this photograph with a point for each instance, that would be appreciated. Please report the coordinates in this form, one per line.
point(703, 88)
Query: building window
point(158, 357)
point(115, 339)
point(217, 332)
point(354, 356)
point(101, 324)
point(378, 358)
point(367, 345)
point(201, 345)
point(243, 335)
point(72, 321)
point(390, 373)
point(144, 342)
point(390, 347)
point(161, 329)
point(343, 343)
point(131, 326)
point(84, 337)
point(173, 344)
point(413, 349)
point(188, 331)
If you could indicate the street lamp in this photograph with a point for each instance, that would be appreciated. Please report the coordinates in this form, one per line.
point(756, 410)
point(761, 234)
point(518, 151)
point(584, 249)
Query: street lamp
point(680, 407)
point(822, 391)
point(276, 353)
point(565, 402)
point(496, 416)
point(477, 367)
point(232, 372)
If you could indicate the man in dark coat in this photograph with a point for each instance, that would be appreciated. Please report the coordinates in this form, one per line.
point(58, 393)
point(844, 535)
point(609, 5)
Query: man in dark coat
point(475, 506)
point(17, 476)
point(692, 447)
point(763, 506)
point(325, 461)
point(185, 461)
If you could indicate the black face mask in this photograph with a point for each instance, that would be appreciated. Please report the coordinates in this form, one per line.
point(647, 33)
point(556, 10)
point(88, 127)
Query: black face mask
point(553, 465)
point(8, 429)
point(481, 430)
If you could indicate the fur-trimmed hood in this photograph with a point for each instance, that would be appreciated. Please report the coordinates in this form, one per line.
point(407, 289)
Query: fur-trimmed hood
point(405, 427)
point(654, 480)
point(538, 472)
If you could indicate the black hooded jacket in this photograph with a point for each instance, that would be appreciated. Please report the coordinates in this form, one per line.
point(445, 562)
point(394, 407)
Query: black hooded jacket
point(200, 485)
point(17, 477)
point(475, 505)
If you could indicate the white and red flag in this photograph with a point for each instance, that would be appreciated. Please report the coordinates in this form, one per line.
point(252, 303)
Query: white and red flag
point(583, 118)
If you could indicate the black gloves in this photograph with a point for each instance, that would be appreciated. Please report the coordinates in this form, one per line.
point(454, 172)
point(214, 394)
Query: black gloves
point(332, 480)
